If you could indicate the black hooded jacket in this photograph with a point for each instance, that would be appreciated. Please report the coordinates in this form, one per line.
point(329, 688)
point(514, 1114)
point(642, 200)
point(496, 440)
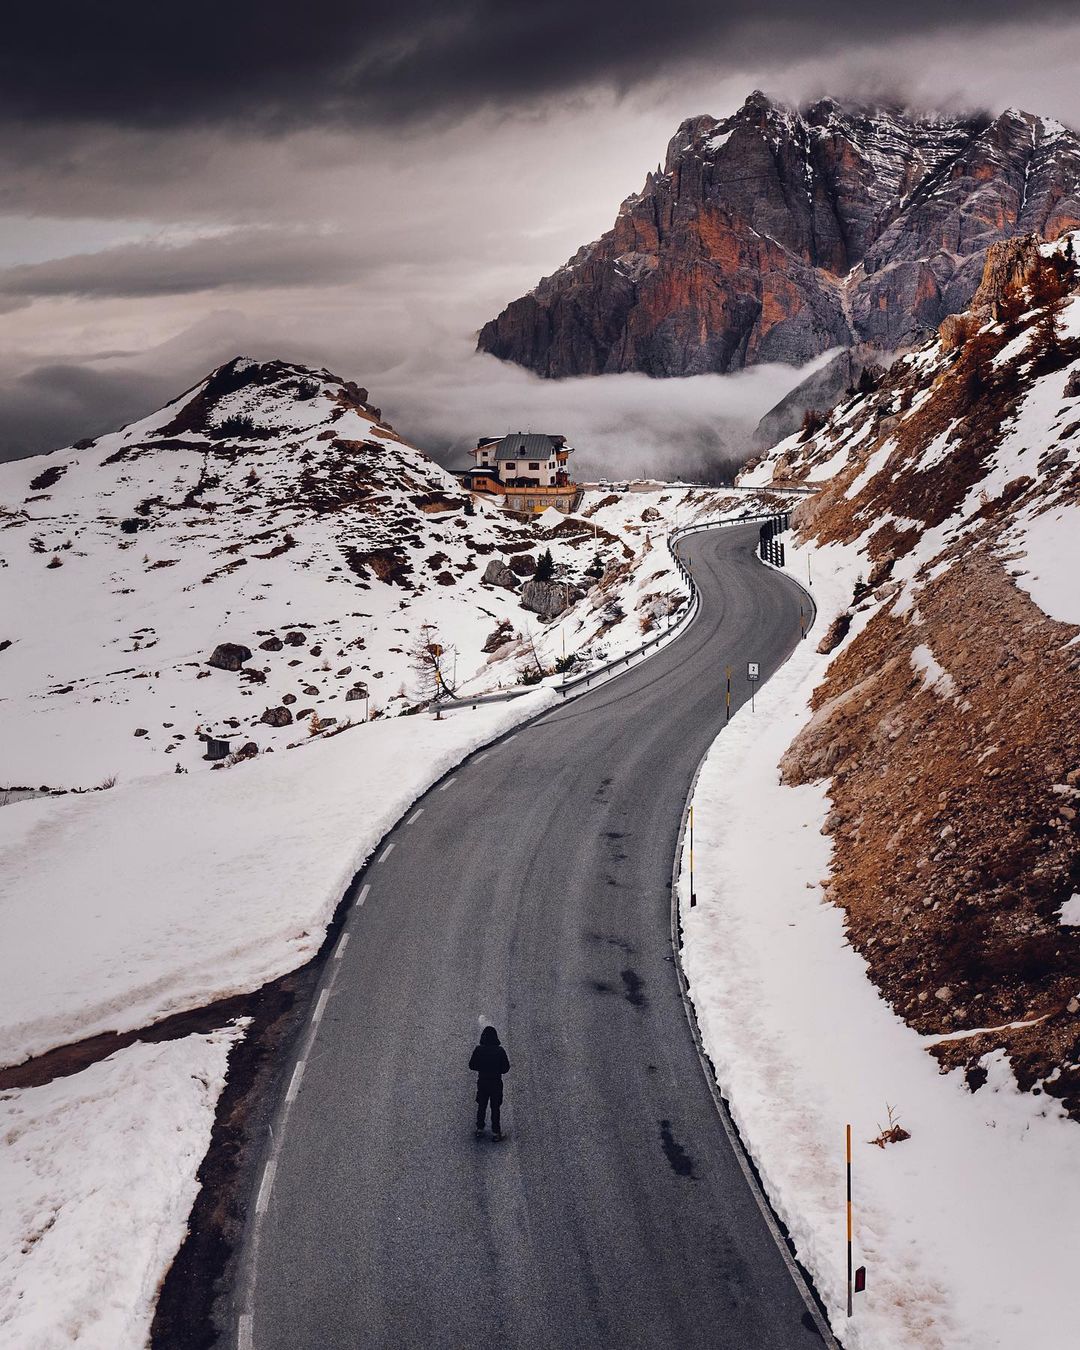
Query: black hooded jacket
point(489, 1058)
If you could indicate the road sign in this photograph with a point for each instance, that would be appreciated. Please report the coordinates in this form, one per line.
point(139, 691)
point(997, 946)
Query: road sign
point(751, 670)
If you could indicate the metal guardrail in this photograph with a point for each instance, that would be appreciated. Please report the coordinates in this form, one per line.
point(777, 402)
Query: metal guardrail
point(678, 619)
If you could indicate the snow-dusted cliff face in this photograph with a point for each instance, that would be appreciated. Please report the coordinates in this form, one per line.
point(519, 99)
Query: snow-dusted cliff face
point(775, 234)
point(945, 721)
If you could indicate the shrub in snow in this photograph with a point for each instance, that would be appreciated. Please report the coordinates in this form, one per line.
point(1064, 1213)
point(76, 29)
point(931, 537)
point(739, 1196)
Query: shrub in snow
point(893, 1133)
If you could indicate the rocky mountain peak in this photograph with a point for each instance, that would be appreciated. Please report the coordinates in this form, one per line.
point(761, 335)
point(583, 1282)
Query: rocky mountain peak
point(776, 233)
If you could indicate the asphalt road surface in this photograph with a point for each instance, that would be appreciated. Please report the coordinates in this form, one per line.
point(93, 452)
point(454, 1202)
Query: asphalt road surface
point(534, 889)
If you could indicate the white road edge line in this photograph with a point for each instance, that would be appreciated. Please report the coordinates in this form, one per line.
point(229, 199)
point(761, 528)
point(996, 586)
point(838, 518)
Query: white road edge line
point(415, 816)
point(800, 1278)
point(448, 784)
point(387, 851)
point(363, 893)
point(266, 1187)
point(294, 1086)
point(339, 951)
point(320, 1007)
point(245, 1333)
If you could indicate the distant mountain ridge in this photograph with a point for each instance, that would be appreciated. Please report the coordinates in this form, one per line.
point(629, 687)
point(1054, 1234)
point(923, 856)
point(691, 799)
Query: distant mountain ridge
point(775, 234)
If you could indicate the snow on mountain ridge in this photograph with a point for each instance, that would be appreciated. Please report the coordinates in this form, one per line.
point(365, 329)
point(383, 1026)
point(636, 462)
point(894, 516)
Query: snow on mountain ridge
point(267, 500)
point(268, 506)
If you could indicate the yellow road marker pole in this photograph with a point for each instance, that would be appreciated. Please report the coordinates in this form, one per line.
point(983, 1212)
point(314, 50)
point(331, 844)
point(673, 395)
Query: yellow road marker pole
point(849, 1272)
point(693, 893)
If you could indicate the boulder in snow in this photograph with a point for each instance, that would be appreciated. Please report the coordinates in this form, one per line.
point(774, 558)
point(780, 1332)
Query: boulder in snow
point(229, 656)
point(548, 598)
point(498, 574)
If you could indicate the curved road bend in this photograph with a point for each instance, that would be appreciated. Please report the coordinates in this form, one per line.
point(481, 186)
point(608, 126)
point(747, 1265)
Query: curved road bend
point(535, 888)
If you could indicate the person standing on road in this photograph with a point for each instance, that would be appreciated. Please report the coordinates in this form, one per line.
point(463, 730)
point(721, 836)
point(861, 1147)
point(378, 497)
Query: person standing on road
point(489, 1063)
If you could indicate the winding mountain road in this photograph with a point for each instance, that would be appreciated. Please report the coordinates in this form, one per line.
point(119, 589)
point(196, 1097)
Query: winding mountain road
point(534, 888)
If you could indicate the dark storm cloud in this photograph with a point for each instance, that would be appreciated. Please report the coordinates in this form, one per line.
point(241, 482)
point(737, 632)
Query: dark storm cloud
point(240, 259)
point(276, 66)
point(52, 405)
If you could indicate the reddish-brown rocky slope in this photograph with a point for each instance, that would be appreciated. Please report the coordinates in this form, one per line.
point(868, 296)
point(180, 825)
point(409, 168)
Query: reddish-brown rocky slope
point(945, 722)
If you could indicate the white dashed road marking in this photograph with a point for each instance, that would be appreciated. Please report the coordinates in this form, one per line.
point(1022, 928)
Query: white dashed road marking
point(449, 783)
point(364, 893)
point(340, 951)
point(320, 1007)
point(294, 1086)
point(266, 1187)
point(386, 852)
point(480, 758)
point(245, 1339)
point(415, 816)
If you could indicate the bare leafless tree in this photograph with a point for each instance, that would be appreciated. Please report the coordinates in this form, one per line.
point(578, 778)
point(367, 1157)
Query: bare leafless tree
point(431, 659)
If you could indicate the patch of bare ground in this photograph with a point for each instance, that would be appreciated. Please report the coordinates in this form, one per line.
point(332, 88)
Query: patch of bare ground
point(954, 817)
point(78, 1055)
point(388, 564)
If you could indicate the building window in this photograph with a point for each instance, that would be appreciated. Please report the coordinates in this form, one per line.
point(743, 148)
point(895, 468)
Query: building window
point(534, 466)
point(511, 466)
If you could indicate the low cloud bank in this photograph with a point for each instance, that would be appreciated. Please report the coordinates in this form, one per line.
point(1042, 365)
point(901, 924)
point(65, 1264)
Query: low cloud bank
point(441, 397)
point(620, 425)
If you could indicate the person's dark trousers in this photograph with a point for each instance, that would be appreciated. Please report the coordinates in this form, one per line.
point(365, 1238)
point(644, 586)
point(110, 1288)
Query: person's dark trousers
point(484, 1094)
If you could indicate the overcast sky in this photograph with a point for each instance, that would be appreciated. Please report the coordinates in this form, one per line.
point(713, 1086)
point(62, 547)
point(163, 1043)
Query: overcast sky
point(362, 185)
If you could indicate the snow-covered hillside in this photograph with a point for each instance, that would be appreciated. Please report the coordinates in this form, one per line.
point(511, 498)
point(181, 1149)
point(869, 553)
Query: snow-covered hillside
point(270, 508)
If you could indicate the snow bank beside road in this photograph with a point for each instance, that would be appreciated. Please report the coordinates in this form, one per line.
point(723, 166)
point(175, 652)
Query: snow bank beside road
point(121, 907)
point(97, 1175)
point(803, 1043)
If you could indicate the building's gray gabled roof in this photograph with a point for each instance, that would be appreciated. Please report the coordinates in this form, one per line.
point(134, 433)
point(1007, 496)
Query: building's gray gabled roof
point(527, 445)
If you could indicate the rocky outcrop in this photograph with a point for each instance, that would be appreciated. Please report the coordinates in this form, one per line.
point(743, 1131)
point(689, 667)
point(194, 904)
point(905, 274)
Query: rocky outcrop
point(229, 656)
point(1009, 266)
point(498, 574)
point(277, 717)
point(773, 235)
point(500, 635)
point(548, 598)
point(818, 392)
